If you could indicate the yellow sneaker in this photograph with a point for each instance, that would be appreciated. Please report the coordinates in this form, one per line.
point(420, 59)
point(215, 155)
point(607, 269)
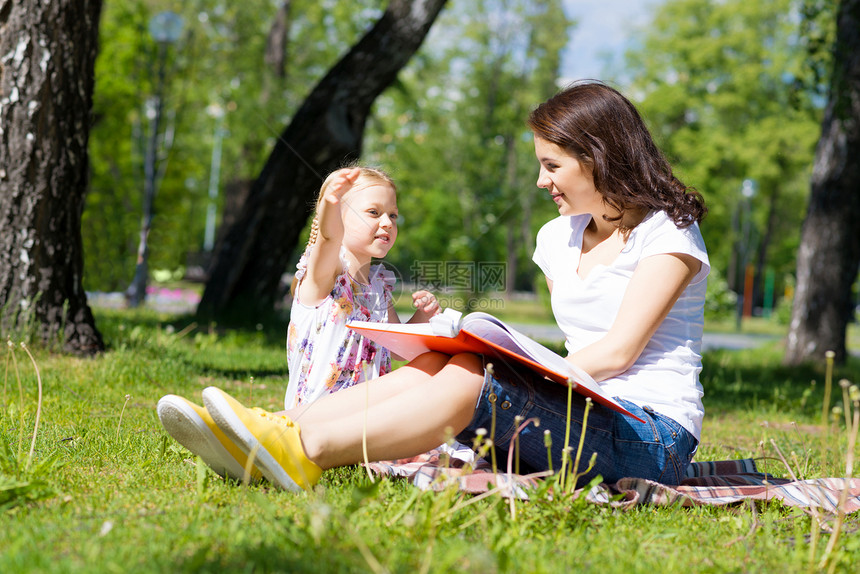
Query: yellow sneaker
point(193, 427)
point(274, 441)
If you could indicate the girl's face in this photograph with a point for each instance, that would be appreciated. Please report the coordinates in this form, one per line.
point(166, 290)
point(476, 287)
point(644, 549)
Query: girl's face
point(569, 182)
point(369, 220)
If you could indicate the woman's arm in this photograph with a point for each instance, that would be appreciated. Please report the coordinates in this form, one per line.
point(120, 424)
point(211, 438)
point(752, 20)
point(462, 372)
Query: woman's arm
point(654, 288)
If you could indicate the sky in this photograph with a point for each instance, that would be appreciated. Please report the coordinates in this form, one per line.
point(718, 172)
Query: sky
point(602, 32)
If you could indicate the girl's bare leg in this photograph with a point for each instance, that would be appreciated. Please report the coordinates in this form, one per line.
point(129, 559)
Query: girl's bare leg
point(407, 420)
point(353, 399)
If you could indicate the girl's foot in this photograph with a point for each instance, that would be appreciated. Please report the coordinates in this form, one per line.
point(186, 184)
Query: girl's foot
point(193, 427)
point(273, 442)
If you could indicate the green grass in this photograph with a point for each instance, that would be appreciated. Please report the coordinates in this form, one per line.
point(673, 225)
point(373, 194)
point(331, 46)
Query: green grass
point(116, 494)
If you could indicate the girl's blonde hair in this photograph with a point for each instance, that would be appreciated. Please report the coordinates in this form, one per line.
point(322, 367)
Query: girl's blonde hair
point(367, 175)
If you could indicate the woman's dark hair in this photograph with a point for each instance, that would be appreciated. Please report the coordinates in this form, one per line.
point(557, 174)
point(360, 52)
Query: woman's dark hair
point(604, 131)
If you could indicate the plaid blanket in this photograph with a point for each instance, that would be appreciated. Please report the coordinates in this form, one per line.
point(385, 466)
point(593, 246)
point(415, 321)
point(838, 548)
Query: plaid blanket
point(712, 483)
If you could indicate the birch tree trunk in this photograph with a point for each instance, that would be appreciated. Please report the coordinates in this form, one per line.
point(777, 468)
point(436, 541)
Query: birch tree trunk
point(47, 56)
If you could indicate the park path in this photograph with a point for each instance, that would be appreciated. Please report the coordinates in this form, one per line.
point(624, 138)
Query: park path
point(709, 340)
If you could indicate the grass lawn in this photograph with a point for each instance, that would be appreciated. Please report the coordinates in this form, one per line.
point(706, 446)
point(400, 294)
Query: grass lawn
point(108, 491)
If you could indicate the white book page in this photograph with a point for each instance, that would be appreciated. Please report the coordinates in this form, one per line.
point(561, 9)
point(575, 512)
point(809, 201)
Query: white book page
point(494, 330)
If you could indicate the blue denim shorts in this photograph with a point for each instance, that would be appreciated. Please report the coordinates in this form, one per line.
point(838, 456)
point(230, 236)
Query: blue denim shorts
point(658, 449)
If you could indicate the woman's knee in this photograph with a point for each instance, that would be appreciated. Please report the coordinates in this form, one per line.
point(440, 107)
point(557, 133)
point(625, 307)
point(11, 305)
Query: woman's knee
point(430, 362)
point(469, 362)
point(464, 376)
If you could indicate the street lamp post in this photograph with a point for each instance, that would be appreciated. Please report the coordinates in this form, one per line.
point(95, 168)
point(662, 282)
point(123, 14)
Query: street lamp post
point(165, 28)
point(743, 235)
point(216, 112)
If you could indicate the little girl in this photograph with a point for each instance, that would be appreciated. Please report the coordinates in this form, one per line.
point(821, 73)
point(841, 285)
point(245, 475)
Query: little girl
point(355, 221)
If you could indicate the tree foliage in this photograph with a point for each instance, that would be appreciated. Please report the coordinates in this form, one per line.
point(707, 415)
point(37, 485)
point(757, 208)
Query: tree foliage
point(454, 134)
point(219, 65)
point(489, 62)
point(729, 89)
point(733, 90)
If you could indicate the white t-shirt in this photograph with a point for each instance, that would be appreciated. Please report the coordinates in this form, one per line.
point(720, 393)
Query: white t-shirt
point(666, 374)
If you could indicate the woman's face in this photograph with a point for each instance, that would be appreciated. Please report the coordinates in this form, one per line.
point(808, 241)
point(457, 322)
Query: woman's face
point(569, 182)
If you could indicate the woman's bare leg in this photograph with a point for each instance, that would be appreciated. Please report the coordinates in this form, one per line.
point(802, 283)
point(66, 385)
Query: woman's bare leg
point(405, 421)
point(353, 399)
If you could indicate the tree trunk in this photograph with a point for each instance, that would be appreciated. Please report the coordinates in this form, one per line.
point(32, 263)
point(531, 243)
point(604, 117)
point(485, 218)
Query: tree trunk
point(829, 253)
point(48, 51)
point(325, 132)
point(276, 42)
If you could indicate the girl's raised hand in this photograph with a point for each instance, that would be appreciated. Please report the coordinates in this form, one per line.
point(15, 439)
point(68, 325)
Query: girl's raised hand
point(341, 182)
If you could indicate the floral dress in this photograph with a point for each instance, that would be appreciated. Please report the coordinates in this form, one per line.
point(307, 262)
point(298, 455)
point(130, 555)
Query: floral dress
point(323, 355)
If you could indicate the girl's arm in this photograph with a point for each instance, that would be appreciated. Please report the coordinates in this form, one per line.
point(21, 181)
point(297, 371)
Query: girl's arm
point(654, 288)
point(426, 306)
point(393, 318)
point(324, 263)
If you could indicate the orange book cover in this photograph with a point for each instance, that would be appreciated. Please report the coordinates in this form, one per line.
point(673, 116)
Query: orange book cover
point(486, 335)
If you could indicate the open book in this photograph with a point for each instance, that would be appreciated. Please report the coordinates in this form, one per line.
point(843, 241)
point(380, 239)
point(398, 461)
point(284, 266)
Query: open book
point(483, 334)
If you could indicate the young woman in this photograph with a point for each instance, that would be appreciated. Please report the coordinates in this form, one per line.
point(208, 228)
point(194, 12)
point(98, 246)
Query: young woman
point(626, 266)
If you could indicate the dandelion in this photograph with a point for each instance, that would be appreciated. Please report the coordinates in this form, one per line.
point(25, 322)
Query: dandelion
point(836, 412)
point(845, 384)
point(319, 517)
point(828, 377)
point(20, 395)
point(518, 420)
point(445, 457)
point(493, 399)
point(565, 452)
point(547, 441)
point(565, 461)
point(479, 439)
point(364, 432)
point(576, 473)
point(119, 424)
